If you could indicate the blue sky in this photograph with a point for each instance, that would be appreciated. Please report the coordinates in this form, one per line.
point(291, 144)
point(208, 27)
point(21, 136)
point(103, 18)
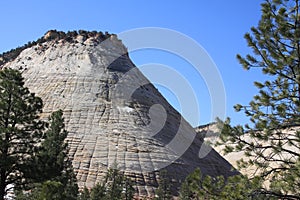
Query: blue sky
point(218, 26)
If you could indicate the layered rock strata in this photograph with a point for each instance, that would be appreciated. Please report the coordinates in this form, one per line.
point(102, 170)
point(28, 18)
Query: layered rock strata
point(113, 113)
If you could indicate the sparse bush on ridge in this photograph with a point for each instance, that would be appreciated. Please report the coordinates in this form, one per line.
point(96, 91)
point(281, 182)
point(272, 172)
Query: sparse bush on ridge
point(54, 35)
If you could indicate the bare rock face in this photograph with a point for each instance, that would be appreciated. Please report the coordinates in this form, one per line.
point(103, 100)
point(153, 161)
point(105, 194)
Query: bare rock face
point(113, 113)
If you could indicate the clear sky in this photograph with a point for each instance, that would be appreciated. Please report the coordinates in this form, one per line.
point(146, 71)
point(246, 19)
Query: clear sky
point(218, 26)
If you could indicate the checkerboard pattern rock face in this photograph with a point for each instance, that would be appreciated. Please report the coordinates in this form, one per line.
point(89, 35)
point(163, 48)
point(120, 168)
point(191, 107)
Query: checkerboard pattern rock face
point(108, 108)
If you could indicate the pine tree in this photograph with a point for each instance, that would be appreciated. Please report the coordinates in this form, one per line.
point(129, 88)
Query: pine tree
point(53, 163)
point(128, 190)
point(20, 129)
point(48, 190)
point(98, 192)
point(240, 187)
point(85, 194)
point(53, 176)
point(115, 186)
point(163, 191)
point(271, 141)
point(191, 185)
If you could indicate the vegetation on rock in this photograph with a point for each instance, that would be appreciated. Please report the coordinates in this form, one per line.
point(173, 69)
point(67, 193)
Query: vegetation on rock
point(20, 130)
point(163, 191)
point(31, 155)
point(114, 187)
point(34, 155)
point(197, 186)
point(273, 143)
point(52, 35)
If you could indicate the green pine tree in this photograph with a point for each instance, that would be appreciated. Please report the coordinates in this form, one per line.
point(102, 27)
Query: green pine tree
point(274, 145)
point(49, 190)
point(128, 190)
point(20, 129)
point(239, 187)
point(115, 186)
point(53, 163)
point(191, 185)
point(84, 194)
point(163, 191)
point(53, 172)
point(98, 192)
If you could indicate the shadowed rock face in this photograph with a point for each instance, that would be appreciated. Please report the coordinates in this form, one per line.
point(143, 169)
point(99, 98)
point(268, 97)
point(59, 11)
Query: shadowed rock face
point(114, 114)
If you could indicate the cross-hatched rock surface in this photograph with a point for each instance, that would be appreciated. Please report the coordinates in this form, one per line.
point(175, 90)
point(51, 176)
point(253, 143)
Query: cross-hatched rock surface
point(113, 114)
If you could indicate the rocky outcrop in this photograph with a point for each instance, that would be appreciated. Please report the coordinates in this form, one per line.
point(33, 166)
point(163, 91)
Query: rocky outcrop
point(113, 113)
point(210, 133)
